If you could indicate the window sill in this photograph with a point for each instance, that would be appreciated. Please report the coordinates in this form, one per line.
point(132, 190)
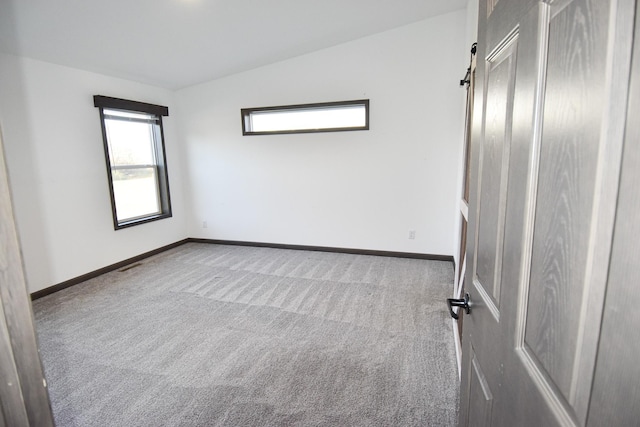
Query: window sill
point(138, 221)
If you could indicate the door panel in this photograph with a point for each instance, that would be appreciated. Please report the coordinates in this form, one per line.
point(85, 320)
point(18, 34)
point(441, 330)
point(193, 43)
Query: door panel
point(552, 211)
point(480, 395)
point(565, 197)
point(616, 389)
point(486, 219)
point(494, 165)
point(573, 209)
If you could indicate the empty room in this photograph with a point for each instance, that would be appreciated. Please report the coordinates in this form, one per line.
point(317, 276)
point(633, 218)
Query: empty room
point(338, 213)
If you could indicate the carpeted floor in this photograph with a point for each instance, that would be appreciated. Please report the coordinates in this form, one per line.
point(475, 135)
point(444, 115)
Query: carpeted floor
point(212, 335)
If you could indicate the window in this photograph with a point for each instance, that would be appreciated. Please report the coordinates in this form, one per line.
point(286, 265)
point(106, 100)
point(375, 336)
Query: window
point(324, 117)
point(136, 162)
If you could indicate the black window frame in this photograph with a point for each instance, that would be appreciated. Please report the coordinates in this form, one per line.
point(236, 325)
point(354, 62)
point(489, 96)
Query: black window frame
point(247, 112)
point(162, 175)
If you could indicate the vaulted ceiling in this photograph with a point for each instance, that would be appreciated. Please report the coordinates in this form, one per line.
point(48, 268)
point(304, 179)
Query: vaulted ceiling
point(178, 43)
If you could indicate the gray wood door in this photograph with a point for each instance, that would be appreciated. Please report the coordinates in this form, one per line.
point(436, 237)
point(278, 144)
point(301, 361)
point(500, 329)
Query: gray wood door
point(548, 135)
point(23, 394)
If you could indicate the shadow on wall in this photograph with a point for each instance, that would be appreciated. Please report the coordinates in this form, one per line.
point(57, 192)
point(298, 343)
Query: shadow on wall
point(20, 151)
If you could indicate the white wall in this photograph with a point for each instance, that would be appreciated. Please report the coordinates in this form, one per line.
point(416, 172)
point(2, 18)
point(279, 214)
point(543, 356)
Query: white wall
point(57, 170)
point(472, 21)
point(361, 190)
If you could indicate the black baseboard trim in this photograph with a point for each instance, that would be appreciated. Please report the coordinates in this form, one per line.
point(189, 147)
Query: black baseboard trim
point(431, 257)
point(93, 274)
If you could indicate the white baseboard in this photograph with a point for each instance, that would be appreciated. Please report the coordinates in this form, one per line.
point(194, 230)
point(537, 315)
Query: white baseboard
point(458, 346)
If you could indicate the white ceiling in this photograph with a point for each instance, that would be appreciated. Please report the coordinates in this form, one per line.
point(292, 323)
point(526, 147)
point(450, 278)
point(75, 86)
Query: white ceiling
point(178, 43)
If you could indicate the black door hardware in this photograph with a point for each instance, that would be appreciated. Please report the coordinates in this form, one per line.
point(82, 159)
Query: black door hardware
point(462, 302)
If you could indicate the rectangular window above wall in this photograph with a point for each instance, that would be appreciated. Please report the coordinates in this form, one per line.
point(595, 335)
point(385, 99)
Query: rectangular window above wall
point(136, 162)
point(306, 118)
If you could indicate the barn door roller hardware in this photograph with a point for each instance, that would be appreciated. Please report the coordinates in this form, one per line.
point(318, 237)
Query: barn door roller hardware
point(466, 80)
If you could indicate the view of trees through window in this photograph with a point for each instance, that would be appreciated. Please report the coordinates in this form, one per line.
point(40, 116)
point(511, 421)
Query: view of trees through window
point(131, 142)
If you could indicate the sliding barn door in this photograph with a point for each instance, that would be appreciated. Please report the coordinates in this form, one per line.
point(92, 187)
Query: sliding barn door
point(549, 123)
point(23, 394)
point(469, 82)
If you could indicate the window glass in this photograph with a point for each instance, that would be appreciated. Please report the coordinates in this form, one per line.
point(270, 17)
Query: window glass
point(134, 149)
point(325, 117)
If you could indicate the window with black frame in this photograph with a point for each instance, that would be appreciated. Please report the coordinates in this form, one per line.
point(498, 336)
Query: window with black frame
point(136, 163)
point(306, 118)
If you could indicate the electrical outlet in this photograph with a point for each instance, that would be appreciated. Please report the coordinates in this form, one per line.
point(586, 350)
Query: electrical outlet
point(204, 224)
point(412, 234)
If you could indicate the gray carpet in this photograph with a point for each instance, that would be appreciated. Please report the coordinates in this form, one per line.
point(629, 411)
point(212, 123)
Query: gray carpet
point(212, 335)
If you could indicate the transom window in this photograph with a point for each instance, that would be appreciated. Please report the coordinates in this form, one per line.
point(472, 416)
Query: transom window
point(322, 117)
point(136, 164)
